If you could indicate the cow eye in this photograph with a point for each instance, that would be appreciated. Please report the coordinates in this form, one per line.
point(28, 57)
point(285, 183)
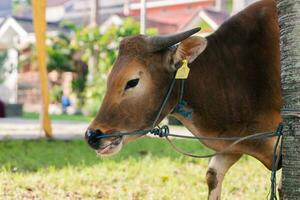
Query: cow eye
point(132, 83)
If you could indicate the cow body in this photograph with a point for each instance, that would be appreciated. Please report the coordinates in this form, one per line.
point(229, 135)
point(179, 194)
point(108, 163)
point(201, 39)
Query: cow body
point(233, 87)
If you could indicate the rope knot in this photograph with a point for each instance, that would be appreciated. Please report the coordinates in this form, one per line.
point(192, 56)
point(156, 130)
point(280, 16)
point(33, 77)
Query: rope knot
point(161, 131)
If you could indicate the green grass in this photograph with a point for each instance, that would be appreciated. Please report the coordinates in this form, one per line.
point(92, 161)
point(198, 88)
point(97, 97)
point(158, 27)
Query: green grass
point(34, 115)
point(145, 169)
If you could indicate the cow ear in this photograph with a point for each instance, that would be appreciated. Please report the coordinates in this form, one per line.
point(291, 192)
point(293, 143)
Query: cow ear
point(190, 49)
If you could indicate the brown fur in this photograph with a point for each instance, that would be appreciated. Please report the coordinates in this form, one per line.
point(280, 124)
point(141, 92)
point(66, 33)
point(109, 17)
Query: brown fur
point(233, 86)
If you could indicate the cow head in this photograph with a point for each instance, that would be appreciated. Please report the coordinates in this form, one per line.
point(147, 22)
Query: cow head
point(138, 83)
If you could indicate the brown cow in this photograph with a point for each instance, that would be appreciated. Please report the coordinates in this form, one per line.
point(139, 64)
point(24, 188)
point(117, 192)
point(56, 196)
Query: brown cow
point(233, 88)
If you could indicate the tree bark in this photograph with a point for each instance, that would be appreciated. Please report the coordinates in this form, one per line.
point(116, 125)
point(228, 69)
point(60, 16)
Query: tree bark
point(289, 23)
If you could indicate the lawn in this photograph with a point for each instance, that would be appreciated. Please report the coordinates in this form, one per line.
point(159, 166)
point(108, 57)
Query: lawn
point(145, 169)
point(82, 118)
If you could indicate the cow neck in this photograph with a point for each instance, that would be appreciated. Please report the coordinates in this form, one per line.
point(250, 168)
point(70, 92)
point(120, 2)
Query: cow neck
point(181, 106)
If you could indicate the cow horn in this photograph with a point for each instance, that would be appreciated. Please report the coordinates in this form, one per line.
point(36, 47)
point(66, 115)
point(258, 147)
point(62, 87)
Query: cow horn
point(156, 43)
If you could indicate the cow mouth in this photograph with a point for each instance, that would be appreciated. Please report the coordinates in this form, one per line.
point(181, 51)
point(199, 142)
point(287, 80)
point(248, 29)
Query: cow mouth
point(112, 148)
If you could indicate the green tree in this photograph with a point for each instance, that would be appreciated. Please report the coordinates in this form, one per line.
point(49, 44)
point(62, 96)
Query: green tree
point(60, 54)
point(62, 57)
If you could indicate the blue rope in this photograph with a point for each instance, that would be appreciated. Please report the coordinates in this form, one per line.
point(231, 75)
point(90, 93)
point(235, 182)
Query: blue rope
point(275, 161)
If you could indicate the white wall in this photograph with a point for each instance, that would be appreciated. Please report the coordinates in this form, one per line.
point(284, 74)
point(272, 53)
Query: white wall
point(55, 14)
point(221, 5)
point(239, 5)
point(8, 89)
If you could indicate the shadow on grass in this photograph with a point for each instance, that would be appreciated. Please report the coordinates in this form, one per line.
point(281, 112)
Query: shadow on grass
point(33, 155)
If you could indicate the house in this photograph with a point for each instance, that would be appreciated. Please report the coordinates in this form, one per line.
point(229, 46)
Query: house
point(9, 62)
point(160, 6)
point(78, 11)
point(8, 88)
point(170, 16)
point(20, 86)
point(56, 9)
point(174, 16)
point(8, 29)
point(167, 16)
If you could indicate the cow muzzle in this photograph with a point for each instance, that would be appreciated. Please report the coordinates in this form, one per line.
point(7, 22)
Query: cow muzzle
point(103, 146)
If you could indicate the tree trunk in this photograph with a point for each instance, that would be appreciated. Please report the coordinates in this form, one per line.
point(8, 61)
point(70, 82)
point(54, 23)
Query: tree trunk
point(289, 23)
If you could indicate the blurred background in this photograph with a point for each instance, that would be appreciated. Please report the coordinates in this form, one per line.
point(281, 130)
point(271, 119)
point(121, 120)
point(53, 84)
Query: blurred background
point(82, 41)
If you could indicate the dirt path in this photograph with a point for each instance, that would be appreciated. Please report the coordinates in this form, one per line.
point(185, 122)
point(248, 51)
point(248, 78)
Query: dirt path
point(18, 128)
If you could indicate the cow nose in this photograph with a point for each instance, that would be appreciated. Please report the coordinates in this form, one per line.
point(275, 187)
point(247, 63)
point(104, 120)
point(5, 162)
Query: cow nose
point(91, 138)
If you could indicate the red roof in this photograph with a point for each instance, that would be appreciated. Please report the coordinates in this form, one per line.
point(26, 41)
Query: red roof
point(169, 22)
point(163, 28)
point(179, 19)
point(170, 18)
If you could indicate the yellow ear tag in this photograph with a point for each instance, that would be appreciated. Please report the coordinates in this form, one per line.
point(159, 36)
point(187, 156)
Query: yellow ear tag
point(183, 71)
